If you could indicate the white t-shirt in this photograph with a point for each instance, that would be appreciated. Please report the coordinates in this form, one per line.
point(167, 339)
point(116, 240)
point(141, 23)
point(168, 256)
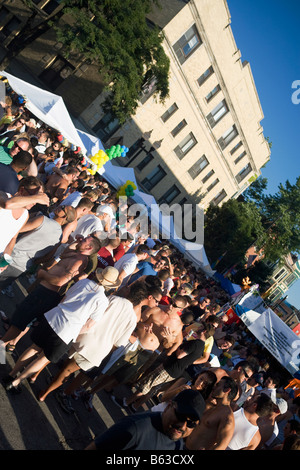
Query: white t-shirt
point(168, 285)
point(113, 329)
point(72, 199)
point(9, 226)
point(87, 224)
point(85, 299)
point(127, 263)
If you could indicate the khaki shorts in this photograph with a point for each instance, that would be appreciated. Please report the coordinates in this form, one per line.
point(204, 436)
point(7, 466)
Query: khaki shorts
point(81, 361)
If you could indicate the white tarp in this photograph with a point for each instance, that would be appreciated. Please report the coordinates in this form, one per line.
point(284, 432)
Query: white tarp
point(47, 107)
point(91, 143)
point(252, 301)
point(278, 339)
point(118, 175)
point(249, 317)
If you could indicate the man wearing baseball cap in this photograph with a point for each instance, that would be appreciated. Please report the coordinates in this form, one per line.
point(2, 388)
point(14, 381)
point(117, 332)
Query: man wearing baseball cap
point(155, 430)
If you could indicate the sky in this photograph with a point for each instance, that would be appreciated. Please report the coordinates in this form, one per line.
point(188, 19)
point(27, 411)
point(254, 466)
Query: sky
point(268, 35)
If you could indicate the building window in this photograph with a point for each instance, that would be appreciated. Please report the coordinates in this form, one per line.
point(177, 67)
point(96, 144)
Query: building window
point(178, 128)
point(199, 166)
point(217, 113)
point(213, 93)
point(290, 279)
point(4, 12)
point(206, 177)
point(243, 173)
point(154, 177)
point(205, 75)
point(57, 72)
point(228, 136)
point(212, 185)
point(148, 89)
point(218, 198)
point(106, 127)
point(280, 274)
point(12, 25)
point(50, 6)
point(185, 146)
point(149, 157)
point(240, 157)
point(236, 147)
point(170, 195)
point(172, 109)
point(187, 44)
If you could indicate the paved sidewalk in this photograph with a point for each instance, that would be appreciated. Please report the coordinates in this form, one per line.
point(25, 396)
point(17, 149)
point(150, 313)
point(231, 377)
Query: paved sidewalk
point(27, 424)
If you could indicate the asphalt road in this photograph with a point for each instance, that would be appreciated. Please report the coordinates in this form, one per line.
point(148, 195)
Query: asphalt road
point(27, 424)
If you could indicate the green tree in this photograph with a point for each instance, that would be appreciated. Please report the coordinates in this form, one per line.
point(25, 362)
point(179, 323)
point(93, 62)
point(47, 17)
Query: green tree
point(229, 231)
point(256, 191)
point(115, 35)
point(281, 220)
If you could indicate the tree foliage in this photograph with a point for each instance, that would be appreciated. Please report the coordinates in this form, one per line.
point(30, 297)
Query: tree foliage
point(269, 222)
point(281, 220)
point(229, 231)
point(115, 35)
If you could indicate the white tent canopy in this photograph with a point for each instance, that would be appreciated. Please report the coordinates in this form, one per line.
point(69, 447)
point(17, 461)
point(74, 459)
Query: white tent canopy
point(91, 143)
point(118, 175)
point(47, 107)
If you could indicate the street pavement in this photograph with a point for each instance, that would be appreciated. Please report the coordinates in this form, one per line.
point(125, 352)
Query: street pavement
point(27, 424)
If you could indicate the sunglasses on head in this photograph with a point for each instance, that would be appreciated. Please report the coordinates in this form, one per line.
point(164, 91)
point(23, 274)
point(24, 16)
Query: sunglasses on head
point(32, 191)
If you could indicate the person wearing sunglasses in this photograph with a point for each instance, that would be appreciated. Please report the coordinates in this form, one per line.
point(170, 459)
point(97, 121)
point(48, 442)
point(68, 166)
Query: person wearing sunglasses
point(7, 154)
point(155, 430)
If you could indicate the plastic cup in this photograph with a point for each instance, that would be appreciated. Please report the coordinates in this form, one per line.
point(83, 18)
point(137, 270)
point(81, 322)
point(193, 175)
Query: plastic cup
point(5, 260)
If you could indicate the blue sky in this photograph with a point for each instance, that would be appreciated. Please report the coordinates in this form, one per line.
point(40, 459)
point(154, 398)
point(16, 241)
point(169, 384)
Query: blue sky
point(268, 35)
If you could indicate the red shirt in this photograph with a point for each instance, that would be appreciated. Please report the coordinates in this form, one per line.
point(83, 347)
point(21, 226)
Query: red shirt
point(104, 258)
point(119, 252)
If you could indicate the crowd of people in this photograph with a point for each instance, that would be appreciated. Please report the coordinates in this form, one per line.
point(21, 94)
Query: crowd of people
point(117, 307)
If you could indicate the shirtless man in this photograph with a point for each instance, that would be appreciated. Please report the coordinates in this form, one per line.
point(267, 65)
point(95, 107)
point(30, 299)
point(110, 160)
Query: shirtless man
point(57, 185)
point(167, 326)
point(49, 291)
point(216, 428)
point(241, 372)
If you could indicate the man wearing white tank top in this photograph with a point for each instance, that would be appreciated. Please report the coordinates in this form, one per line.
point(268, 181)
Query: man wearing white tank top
point(246, 434)
point(14, 211)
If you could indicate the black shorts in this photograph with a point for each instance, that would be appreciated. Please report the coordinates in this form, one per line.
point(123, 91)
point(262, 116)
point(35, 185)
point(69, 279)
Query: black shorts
point(46, 339)
point(33, 307)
